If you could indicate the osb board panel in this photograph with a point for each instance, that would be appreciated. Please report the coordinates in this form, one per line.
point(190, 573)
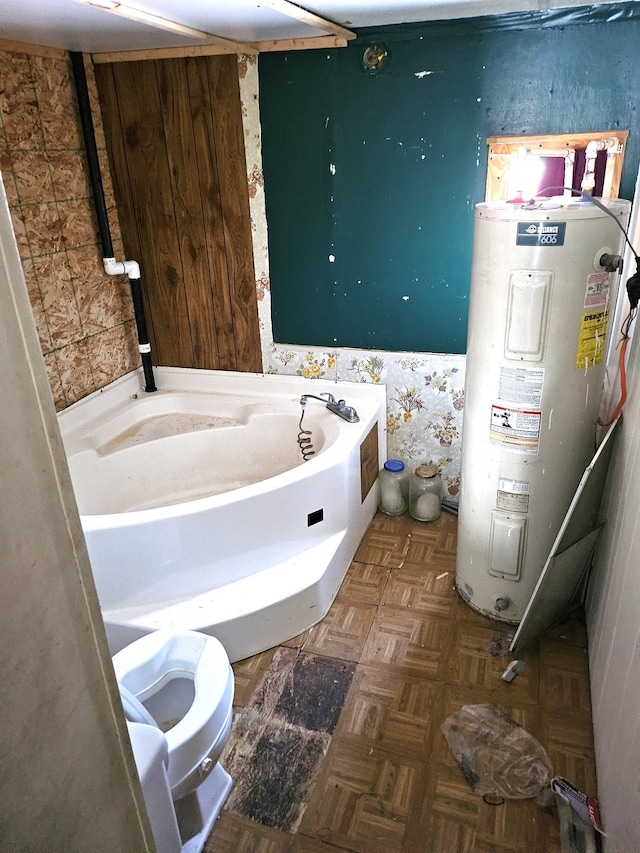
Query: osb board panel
point(174, 129)
point(83, 316)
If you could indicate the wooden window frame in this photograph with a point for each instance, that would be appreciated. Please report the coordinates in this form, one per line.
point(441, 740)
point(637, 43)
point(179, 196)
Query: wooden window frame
point(502, 150)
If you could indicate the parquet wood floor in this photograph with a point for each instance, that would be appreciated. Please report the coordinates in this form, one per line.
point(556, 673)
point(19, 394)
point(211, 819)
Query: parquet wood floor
point(388, 782)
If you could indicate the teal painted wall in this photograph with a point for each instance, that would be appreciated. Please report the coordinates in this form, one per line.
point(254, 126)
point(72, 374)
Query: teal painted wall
point(381, 172)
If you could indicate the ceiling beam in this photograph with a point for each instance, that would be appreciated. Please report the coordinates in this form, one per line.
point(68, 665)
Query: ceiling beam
point(214, 46)
point(300, 44)
point(33, 49)
point(291, 10)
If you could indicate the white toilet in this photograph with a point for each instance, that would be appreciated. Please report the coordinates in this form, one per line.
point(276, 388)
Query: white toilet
point(180, 683)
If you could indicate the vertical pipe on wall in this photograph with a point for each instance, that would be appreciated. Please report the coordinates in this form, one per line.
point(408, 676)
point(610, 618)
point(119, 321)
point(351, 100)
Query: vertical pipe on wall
point(111, 267)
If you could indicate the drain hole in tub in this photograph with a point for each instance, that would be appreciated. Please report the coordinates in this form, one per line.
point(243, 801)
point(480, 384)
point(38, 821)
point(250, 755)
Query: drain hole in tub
point(315, 517)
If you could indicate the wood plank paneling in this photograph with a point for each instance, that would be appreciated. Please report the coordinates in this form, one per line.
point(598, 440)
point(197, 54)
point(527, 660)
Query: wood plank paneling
point(174, 131)
point(225, 94)
point(188, 187)
point(205, 126)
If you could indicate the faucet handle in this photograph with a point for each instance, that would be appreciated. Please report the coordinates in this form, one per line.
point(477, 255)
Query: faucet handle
point(329, 396)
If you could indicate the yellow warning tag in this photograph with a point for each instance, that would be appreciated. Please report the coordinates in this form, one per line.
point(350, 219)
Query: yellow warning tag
point(591, 339)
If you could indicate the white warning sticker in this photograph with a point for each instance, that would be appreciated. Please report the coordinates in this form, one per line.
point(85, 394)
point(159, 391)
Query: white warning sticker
point(512, 495)
point(516, 429)
point(597, 292)
point(521, 385)
point(516, 487)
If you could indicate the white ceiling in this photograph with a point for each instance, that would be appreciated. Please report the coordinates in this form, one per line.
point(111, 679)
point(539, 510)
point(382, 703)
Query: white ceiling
point(71, 25)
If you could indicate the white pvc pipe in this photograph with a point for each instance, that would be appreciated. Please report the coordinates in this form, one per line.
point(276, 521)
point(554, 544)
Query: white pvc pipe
point(113, 267)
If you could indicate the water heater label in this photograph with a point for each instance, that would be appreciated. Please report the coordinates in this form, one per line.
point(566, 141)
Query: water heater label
point(597, 293)
point(521, 385)
point(592, 338)
point(540, 233)
point(515, 487)
point(515, 429)
point(512, 495)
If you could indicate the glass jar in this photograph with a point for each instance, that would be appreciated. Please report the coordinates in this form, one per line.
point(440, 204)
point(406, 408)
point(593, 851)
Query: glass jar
point(425, 493)
point(393, 487)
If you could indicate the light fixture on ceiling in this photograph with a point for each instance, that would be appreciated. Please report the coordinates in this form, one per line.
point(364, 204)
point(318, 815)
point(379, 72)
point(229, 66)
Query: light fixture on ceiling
point(133, 14)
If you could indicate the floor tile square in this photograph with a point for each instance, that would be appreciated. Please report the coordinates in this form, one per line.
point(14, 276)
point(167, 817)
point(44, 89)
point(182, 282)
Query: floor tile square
point(364, 799)
point(564, 676)
point(568, 739)
point(422, 589)
point(384, 547)
point(364, 584)
point(415, 643)
point(481, 656)
point(343, 631)
point(396, 712)
point(236, 834)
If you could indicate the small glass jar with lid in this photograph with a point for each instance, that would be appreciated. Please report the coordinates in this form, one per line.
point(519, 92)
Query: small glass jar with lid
point(393, 487)
point(425, 493)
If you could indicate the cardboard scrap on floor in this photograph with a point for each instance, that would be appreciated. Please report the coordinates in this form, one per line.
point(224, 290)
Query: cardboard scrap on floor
point(579, 818)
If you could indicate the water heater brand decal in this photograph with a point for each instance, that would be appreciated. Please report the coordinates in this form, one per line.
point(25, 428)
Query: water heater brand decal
point(540, 233)
point(516, 429)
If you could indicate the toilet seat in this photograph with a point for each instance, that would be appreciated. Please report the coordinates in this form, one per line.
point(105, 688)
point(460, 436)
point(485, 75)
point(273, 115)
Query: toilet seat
point(198, 737)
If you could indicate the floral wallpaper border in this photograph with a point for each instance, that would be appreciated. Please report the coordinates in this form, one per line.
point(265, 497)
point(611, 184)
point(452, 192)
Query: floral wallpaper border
point(425, 391)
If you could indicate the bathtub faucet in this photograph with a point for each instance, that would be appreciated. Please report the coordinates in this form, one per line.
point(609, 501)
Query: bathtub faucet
point(338, 407)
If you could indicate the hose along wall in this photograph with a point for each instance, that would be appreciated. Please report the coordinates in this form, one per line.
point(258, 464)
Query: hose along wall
point(131, 268)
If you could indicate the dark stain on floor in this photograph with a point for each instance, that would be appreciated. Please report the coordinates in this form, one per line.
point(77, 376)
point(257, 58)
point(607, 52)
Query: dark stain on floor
point(315, 692)
point(279, 775)
point(278, 741)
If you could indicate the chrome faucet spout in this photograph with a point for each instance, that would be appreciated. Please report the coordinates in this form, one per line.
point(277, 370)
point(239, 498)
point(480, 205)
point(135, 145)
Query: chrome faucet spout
point(338, 407)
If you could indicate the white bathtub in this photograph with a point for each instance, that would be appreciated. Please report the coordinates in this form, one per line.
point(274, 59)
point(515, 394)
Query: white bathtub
point(199, 512)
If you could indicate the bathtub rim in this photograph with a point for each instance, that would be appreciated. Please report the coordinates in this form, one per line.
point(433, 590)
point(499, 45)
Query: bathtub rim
point(364, 396)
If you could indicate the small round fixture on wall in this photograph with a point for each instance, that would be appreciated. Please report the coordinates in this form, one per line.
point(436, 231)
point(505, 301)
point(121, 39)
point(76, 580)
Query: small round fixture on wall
point(375, 58)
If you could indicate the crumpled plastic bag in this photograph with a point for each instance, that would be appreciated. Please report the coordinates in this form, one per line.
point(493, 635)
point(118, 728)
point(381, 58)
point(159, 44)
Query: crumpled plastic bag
point(496, 755)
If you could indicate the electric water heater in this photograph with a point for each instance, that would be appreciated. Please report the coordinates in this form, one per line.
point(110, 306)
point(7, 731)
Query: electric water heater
point(538, 318)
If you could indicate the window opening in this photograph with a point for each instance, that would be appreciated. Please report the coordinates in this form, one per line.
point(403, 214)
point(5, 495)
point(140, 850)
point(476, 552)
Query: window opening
point(523, 166)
